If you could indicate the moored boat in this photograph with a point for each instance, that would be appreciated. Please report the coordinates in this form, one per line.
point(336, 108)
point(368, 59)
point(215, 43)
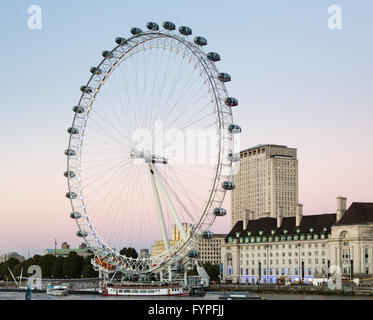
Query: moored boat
point(57, 290)
point(144, 289)
point(239, 296)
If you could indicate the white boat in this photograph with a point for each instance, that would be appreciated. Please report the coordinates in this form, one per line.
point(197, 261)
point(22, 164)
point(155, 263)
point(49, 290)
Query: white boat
point(57, 289)
point(144, 289)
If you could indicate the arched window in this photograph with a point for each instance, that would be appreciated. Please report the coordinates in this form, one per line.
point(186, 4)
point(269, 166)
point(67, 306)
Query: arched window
point(343, 235)
point(229, 264)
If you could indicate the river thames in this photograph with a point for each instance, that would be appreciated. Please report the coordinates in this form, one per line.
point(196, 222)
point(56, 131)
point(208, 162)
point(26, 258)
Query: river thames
point(209, 296)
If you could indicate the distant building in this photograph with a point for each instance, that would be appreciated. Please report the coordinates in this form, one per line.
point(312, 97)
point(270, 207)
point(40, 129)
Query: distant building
point(266, 183)
point(175, 233)
point(144, 253)
point(159, 247)
point(83, 246)
point(65, 250)
point(210, 250)
point(65, 245)
point(301, 247)
point(5, 257)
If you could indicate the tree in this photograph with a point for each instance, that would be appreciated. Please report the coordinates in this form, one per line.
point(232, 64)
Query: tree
point(193, 272)
point(46, 263)
point(87, 269)
point(4, 271)
point(72, 267)
point(36, 258)
point(57, 268)
point(129, 252)
point(16, 270)
point(213, 270)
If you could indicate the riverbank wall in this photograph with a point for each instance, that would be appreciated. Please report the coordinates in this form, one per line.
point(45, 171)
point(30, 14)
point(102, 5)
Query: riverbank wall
point(274, 289)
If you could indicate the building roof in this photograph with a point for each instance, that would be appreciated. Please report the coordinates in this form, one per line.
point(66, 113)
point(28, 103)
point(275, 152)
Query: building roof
point(266, 225)
point(65, 251)
point(219, 235)
point(357, 213)
point(264, 145)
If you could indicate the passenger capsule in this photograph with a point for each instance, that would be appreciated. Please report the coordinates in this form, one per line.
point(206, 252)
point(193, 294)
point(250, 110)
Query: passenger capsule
point(73, 130)
point(228, 185)
point(86, 89)
point(71, 195)
point(81, 233)
point(230, 101)
point(234, 128)
point(75, 215)
point(201, 41)
point(107, 54)
point(224, 77)
point(69, 174)
point(78, 109)
point(186, 31)
point(95, 70)
point(220, 212)
point(207, 235)
point(136, 31)
point(213, 56)
point(169, 25)
point(193, 253)
point(70, 152)
point(152, 26)
point(120, 40)
point(234, 157)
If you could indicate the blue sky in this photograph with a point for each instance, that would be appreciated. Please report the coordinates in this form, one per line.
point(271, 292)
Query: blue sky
point(298, 83)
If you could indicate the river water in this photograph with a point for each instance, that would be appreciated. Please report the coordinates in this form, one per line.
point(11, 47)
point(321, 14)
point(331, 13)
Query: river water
point(209, 296)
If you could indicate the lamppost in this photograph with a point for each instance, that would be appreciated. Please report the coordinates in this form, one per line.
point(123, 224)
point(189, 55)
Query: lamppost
point(299, 269)
point(351, 274)
point(267, 264)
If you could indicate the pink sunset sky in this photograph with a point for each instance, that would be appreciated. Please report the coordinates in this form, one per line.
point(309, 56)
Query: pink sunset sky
point(298, 84)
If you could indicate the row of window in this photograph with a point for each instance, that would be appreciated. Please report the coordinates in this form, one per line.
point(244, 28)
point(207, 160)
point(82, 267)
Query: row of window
point(279, 271)
point(283, 262)
point(289, 253)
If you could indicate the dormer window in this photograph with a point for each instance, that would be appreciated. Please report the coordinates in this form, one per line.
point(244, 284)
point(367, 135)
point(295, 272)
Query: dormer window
point(237, 234)
point(261, 232)
point(273, 232)
point(285, 232)
point(311, 230)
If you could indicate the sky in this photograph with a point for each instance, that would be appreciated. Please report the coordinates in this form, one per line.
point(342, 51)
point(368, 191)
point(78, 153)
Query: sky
point(298, 82)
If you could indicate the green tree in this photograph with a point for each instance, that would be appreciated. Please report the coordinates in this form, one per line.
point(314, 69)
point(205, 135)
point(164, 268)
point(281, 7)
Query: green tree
point(27, 263)
point(4, 271)
point(213, 270)
point(17, 269)
point(87, 269)
point(193, 272)
point(36, 258)
point(46, 263)
point(129, 252)
point(72, 267)
point(57, 268)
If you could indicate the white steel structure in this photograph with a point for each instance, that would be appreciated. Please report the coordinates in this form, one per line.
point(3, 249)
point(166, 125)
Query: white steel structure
point(161, 85)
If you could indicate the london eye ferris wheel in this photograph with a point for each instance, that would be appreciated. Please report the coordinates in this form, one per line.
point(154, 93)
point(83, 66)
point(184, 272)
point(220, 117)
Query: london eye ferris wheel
point(151, 147)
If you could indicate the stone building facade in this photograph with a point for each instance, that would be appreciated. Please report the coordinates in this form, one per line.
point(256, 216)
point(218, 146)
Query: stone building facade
point(266, 181)
point(300, 248)
point(210, 249)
